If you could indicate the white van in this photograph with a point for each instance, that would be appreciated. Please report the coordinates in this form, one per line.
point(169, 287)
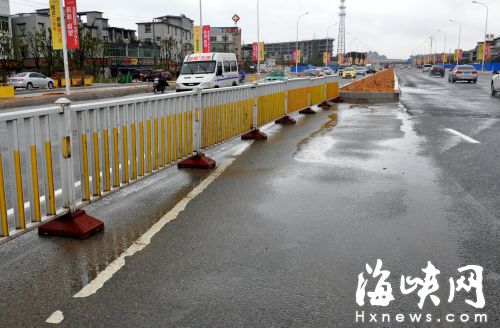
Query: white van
point(208, 70)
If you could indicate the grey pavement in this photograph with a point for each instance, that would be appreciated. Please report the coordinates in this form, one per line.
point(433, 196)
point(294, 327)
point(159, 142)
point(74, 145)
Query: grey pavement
point(280, 237)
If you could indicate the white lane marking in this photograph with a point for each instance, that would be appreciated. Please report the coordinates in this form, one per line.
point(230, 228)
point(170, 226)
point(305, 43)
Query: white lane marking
point(145, 239)
point(463, 136)
point(55, 318)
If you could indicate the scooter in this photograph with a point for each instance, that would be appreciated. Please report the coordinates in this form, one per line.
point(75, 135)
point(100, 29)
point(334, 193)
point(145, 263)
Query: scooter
point(159, 85)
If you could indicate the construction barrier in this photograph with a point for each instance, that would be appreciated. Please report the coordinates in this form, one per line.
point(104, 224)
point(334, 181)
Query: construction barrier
point(6, 91)
point(62, 157)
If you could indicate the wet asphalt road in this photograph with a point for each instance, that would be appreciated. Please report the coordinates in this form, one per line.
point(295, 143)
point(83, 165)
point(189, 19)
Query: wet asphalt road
point(278, 240)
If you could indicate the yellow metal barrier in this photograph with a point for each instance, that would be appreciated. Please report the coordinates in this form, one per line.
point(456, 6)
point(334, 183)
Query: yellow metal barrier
point(6, 91)
point(122, 140)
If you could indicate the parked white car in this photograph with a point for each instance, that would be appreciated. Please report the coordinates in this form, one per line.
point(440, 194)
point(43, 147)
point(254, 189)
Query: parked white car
point(495, 82)
point(30, 80)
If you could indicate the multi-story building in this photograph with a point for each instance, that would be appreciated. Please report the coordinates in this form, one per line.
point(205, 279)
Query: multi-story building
point(226, 39)
point(25, 23)
point(99, 28)
point(4, 16)
point(310, 50)
point(179, 28)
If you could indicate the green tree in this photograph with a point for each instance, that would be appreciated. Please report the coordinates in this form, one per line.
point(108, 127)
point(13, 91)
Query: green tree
point(167, 51)
point(90, 47)
point(36, 42)
point(6, 54)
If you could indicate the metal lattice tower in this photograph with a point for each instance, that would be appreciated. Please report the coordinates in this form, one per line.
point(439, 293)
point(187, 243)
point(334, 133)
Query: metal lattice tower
point(341, 40)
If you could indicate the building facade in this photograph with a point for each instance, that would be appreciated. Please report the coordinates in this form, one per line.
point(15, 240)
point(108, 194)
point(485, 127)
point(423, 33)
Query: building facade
point(282, 52)
point(226, 39)
point(4, 16)
point(180, 28)
point(99, 28)
point(26, 23)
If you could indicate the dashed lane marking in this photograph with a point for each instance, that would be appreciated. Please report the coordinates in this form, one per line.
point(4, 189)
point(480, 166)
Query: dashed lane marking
point(463, 136)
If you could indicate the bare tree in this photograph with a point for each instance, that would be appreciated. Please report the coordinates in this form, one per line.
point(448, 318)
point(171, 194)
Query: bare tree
point(168, 49)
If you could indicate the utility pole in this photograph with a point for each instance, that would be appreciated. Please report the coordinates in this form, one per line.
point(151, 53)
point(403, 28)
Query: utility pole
point(341, 39)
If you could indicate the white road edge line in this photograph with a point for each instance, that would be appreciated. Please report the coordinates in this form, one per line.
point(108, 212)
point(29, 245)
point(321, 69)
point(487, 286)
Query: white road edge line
point(145, 239)
point(55, 318)
point(463, 136)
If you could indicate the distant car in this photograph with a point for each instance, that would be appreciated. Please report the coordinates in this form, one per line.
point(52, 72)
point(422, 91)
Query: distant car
point(370, 69)
point(426, 68)
point(463, 73)
point(341, 68)
point(327, 70)
point(437, 70)
point(313, 73)
point(142, 75)
point(30, 80)
point(495, 82)
point(360, 70)
point(349, 72)
point(277, 75)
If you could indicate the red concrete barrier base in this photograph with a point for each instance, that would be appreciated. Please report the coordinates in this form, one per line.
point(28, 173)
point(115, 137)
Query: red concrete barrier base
point(285, 120)
point(77, 225)
point(325, 105)
point(254, 135)
point(199, 161)
point(307, 111)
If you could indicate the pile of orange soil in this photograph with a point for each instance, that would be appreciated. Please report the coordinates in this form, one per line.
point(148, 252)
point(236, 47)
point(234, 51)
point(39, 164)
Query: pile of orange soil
point(380, 82)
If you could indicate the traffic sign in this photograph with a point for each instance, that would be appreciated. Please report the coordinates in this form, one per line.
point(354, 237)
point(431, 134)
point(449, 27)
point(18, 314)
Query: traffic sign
point(236, 18)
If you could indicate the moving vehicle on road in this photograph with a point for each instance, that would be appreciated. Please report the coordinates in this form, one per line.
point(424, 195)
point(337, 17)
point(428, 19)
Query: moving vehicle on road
point(349, 72)
point(30, 80)
point(437, 70)
point(495, 82)
point(313, 73)
point(277, 75)
point(159, 84)
point(360, 70)
point(426, 68)
point(342, 67)
point(463, 73)
point(370, 69)
point(327, 70)
point(208, 70)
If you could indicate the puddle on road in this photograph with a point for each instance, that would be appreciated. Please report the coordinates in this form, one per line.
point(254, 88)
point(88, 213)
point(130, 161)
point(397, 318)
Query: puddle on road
point(314, 147)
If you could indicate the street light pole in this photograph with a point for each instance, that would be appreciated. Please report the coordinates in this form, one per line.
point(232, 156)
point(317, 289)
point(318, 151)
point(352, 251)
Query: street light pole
point(459, 35)
point(444, 49)
point(485, 31)
point(65, 47)
point(201, 16)
point(297, 45)
point(258, 40)
point(327, 46)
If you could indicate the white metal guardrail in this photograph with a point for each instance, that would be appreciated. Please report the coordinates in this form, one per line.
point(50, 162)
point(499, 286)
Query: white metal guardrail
point(59, 158)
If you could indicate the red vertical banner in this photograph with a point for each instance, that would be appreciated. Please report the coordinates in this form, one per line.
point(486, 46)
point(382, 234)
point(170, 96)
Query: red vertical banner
point(71, 17)
point(206, 38)
point(487, 51)
point(255, 51)
point(460, 55)
point(328, 58)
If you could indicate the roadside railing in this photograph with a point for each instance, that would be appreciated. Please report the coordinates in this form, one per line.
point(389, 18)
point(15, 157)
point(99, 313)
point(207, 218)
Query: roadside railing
point(60, 158)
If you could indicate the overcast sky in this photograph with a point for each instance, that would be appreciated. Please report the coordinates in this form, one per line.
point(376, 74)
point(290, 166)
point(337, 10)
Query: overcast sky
point(391, 27)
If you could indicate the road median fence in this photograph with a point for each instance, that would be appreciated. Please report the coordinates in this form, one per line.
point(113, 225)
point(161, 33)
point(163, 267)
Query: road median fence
point(55, 160)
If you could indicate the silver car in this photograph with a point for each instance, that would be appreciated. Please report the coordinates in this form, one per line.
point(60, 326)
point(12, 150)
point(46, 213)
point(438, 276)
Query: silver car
point(463, 73)
point(360, 70)
point(30, 80)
